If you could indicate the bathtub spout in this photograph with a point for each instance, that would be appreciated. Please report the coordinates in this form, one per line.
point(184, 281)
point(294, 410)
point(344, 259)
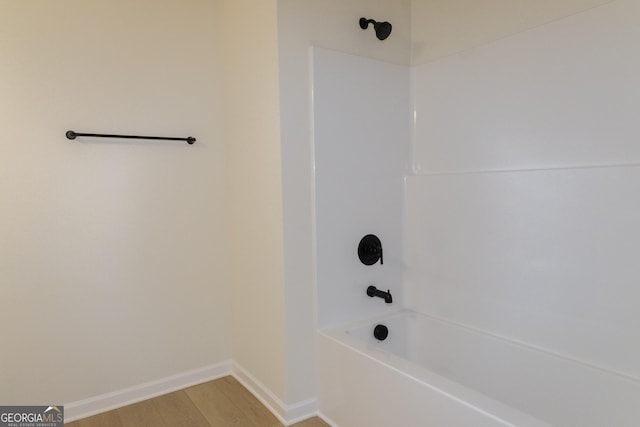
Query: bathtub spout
point(372, 291)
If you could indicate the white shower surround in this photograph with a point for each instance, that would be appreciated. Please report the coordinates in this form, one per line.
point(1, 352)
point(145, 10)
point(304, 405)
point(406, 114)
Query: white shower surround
point(361, 127)
point(520, 208)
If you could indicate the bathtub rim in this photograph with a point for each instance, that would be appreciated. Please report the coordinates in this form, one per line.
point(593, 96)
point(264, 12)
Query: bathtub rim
point(470, 398)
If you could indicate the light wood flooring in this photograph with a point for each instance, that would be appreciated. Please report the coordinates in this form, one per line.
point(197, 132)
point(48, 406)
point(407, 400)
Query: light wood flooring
point(219, 403)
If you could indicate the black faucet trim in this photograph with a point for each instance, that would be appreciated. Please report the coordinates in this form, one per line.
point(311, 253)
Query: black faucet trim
point(372, 291)
point(370, 250)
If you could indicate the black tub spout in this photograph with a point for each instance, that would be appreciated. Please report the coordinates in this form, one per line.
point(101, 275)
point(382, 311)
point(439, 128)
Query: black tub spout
point(372, 291)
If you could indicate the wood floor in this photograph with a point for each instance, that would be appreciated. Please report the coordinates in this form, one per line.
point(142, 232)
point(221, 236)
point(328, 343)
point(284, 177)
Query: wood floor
point(220, 403)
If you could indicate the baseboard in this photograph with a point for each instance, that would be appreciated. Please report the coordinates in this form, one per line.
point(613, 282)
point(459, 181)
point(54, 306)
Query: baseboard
point(106, 402)
point(286, 414)
point(327, 420)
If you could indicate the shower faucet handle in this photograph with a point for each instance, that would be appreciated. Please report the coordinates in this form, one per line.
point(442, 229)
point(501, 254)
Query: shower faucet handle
point(370, 250)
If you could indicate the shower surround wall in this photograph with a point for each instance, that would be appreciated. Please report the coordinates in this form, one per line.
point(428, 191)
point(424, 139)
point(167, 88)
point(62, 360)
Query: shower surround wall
point(361, 133)
point(521, 208)
point(331, 24)
point(522, 213)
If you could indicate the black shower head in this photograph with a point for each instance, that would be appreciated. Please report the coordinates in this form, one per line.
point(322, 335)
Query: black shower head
point(383, 29)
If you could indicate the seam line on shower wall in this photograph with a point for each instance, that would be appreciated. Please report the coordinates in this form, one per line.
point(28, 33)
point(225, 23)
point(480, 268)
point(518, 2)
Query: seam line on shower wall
point(541, 169)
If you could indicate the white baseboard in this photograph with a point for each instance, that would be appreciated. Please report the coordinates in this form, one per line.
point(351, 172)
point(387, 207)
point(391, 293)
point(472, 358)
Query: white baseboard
point(286, 414)
point(327, 420)
point(117, 399)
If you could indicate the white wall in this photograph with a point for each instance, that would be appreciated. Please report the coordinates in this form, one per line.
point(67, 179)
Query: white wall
point(522, 213)
point(114, 261)
point(331, 24)
point(362, 123)
point(251, 117)
point(442, 28)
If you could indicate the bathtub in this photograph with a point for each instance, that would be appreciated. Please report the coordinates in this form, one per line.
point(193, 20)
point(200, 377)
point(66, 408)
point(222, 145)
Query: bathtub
point(430, 372)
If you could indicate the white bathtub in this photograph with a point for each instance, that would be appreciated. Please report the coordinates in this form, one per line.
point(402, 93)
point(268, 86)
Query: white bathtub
point(430, 372)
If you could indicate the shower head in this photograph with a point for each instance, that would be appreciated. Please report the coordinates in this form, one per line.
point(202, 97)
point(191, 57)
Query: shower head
point(383, 29)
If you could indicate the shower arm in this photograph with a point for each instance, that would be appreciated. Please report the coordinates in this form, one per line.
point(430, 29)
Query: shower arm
point(364, 23)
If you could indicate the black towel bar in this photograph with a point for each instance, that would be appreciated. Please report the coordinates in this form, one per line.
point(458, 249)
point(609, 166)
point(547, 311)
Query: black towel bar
point(72, 135)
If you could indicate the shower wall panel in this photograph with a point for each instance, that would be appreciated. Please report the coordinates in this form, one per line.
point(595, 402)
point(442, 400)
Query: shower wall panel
point(562, 94)
point(548, 258)
point(362, 121)
point(522, 211)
